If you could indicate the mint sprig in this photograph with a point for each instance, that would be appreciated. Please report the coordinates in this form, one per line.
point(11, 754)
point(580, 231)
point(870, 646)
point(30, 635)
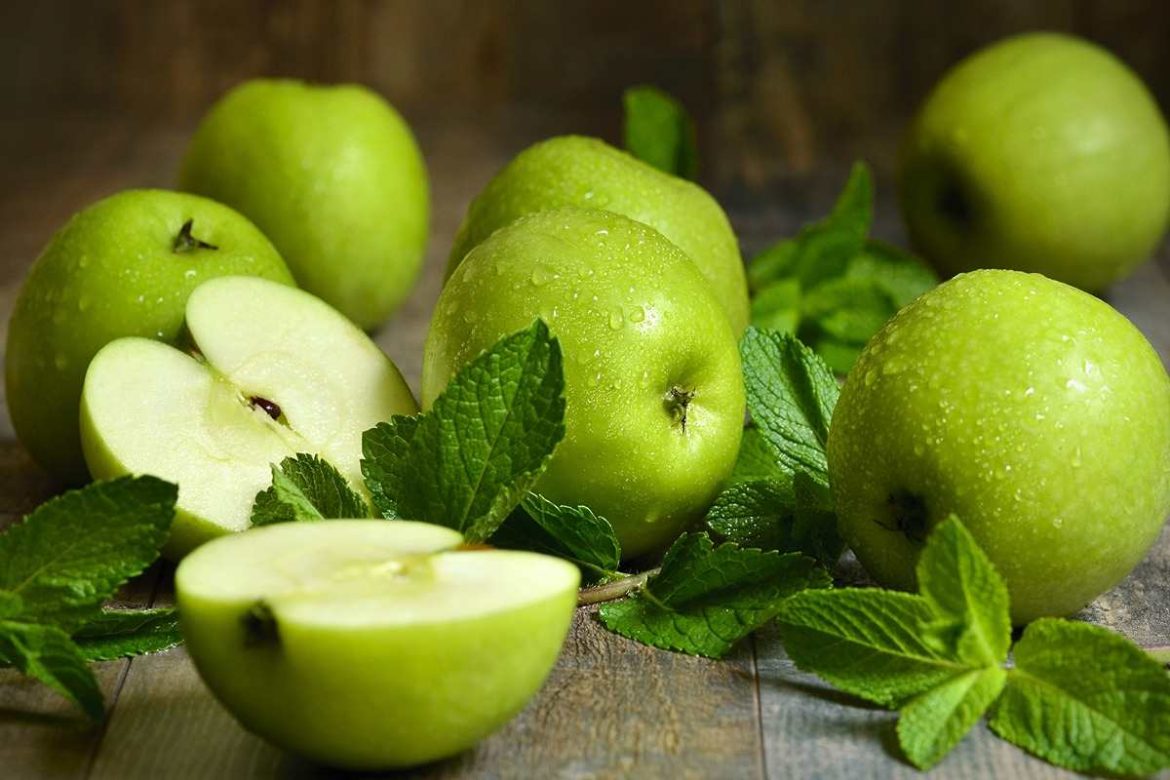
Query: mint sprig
point(1079, 696)
point(305, 487)
point(61, 563)
point(831, 285)
point(469, 461)
point(790, 396)
point(659, 131)
point(705, 598)
point(574, 533)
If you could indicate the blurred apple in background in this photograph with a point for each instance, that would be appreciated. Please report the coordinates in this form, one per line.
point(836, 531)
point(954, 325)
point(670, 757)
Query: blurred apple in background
point(332, 175)
point(1040, 153)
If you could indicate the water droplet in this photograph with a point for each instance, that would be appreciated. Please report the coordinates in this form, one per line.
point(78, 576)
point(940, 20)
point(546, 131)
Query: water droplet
point(1057, 522)
point(594, 380)
point(637, 314)
point(615, 319)
point(1076, 459)
point(141, 298)
point(540, 276)
point(870, 377)
point(82, 303)
point(60, 361)
point(190, 273)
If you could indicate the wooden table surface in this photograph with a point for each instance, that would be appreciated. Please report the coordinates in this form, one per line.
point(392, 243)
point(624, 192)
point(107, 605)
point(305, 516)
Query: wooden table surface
point(612, 708)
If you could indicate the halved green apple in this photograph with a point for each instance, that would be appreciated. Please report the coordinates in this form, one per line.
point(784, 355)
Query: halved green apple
point(371, 644)
point(275, 372)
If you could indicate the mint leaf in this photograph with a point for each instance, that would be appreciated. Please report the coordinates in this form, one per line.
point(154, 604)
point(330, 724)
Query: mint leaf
point(848, 309)
point(470, 460)
point(74, 551)
point(778, 306)
point(573, 533)
point(47, 654)
point(772, 515)
point(706, 598)
point(867, 642)
point(659, 131)
point(903, 276)
point(1086, 699)
point(821, 250)
point(934, 722)
point(11, 605)
point(756, 461)
point(969, 598)
point(305, 487)
point(790, 395)
point(120, 633)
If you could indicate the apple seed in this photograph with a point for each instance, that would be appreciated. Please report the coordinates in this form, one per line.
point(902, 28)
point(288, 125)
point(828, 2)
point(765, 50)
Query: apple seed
point(270, 407)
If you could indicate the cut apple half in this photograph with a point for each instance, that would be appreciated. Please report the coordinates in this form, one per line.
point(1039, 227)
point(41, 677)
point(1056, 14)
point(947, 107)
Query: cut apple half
point(274, 372)
point(371, 644)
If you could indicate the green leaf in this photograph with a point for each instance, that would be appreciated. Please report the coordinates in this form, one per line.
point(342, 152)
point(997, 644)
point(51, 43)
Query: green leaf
point(778, 306)
point(771, 515)
point(756, 461)
point(659, 131)
point(47, 654)
point(848, 309)
point(968, 596)
point(469, 461)
point(706, 598)
point(1086, 699)
point(11, 605)
point(903, 275)
point(931, 724)
point(74, 551)
point(822, 250)
point(790, 395)
point(121, 633)
point(573, 533)
point(868, 642)
point(305, 487)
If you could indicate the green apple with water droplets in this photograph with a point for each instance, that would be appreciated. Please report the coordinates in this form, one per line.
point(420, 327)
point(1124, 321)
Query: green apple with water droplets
point(372, 644)
point(653, 389)
point(124, 266)
point(1040, 153)
point(588, 173)
point(1035, 412)
point(271, 371)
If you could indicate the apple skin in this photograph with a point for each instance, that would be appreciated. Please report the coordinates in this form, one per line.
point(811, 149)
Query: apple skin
point(110, 272)
point(370, 693)
point(588, 173)
point(1040, 153)
point(1035, 412)
point(635, 320)
point(332, 175)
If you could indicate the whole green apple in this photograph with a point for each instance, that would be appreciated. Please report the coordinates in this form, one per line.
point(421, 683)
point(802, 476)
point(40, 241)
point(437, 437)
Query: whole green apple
point(122, 267)
point(653, 389)
point(1033, 411)
point(270, 371)
point(332, 175)
point(586, 172)
point(1040, 153)
point(371, 644)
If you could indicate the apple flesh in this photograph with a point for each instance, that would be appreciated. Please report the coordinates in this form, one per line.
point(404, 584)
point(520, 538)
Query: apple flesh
point(653, 388)
point(1040, 153)
point(371, 644)
point(588, 173)
point(277, 372)
point(332, 174)
point(1033, 411)
point(124, 266)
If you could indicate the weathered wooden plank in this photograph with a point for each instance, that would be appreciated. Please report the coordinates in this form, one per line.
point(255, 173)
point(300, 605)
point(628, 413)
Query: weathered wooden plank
point(611, 709)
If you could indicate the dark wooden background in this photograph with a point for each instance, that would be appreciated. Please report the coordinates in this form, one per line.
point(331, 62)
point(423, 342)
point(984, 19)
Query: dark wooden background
point(782, 85)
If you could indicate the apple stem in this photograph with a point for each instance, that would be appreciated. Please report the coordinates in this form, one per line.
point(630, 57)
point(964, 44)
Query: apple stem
point(677, 399)
point(185, 242)
point(612, 591)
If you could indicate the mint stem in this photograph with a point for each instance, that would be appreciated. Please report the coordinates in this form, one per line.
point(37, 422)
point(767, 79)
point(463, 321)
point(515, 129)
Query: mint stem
point(612, 591)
